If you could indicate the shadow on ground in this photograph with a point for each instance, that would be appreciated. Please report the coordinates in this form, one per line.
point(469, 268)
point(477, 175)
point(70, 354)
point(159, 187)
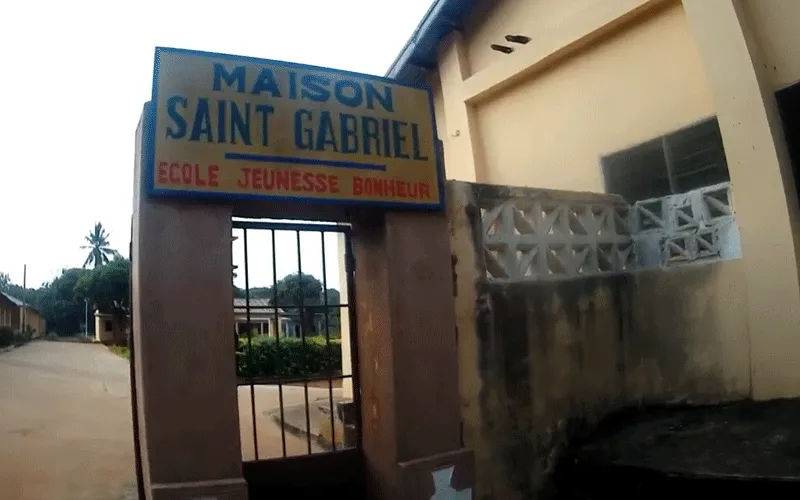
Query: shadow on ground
point(739, 448)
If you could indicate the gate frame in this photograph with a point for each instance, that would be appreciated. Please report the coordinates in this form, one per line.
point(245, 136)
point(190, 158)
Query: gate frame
point(407, 345)
point(287, 475)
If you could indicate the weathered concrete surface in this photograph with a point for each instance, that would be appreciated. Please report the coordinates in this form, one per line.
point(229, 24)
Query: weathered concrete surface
point(544, 360)
point(65, 424)
point(738, 439)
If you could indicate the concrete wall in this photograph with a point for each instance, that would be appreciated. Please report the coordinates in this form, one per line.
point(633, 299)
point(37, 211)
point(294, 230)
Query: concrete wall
point(775, 24)
point(639, 83)
point(600, 76)
point(543, 360)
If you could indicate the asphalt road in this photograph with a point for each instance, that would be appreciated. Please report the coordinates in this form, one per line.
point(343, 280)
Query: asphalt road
point(65, 423)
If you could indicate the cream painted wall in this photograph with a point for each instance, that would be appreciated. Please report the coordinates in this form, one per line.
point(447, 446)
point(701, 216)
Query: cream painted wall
point(533, 18)
point(550, 130)
point(438, 105)
point(776, 25)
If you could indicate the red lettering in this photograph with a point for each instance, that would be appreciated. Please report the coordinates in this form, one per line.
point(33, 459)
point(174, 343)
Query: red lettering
point(213, 175)
point(401, 189)
point(295, 180)
point(358, 186)
point(424, 190)
point(388, 188)
point(413, 188)
point(282, 179)
point(258, 178)
point(198, 177)
point(162, 172)
point(308, 181)
point(174, 176)
point(186, 173)
point(244, 180)
point(333, 183)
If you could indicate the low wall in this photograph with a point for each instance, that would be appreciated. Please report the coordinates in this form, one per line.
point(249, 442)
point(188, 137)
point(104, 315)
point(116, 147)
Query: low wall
point(541, 359)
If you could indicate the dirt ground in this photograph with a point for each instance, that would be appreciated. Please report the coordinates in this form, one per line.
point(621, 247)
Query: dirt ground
point(65, 423)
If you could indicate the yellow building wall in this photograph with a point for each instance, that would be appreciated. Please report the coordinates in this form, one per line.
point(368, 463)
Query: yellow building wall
point(550, 130)
point(776, 25)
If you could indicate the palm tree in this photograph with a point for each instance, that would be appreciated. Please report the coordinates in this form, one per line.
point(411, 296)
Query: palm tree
point(99, 251)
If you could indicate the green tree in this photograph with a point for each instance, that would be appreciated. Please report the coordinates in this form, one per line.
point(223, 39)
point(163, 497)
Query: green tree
point(295, 290)
point(107, 287)
point(100, 252)
point(58, 303)
point(5, 282)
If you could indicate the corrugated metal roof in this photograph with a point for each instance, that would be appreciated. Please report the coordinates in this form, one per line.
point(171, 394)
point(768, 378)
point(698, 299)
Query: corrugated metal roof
point(13, 299)
point(419, 54)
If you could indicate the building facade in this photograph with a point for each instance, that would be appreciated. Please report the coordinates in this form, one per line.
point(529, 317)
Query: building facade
point(16, 315)
point(642, 98)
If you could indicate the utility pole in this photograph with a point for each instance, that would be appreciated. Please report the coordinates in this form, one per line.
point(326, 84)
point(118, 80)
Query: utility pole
point(24, 295)
point(86, 317)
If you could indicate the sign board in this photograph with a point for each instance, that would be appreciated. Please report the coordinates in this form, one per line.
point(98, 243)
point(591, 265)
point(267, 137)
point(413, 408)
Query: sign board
point(225, 126)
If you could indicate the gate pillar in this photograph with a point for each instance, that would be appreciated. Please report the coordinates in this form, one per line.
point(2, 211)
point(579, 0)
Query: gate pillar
point(411, 424)
point(185, 377)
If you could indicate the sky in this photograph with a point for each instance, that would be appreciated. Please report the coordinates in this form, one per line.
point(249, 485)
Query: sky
point(74, 80)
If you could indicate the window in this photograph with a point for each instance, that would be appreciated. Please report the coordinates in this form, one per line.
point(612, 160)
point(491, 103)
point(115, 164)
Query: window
point(688, 159)
point(109, 326)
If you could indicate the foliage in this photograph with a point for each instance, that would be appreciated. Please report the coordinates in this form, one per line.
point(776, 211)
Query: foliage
point(5, 282)
point(100, 252)
point(6, 336)
point(107, 287)
point(289, 358)
point(298, 289)
point(22, 338)
point(58, 303)
point(121, 351)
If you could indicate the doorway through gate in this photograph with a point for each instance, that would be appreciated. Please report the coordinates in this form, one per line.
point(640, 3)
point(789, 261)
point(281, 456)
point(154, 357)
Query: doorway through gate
point(296, 359)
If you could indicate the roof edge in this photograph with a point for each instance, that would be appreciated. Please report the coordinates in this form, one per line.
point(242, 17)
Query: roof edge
point(441, 18)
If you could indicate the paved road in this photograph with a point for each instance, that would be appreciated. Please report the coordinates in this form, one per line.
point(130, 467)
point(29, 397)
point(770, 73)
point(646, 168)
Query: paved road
point(65, 423)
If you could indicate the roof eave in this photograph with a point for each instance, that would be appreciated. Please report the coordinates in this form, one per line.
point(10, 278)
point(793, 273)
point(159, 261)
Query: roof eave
point(418, 56)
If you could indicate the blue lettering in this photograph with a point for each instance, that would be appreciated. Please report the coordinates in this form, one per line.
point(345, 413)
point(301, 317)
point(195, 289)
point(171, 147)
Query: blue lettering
point(303, 137)
point(385, 100)
point(221, 120)
point(240, 123)
point(265, 112)
point(399, 138)
point(352, 101)
point(180, 122)
point(237, 77)
point(387, 138)
point(415, 142)
point(266, 83)
point(202, 121)
point(292, 85)
point(325, 133)
point(314, 88)
point(369, 133)
point(348, 125)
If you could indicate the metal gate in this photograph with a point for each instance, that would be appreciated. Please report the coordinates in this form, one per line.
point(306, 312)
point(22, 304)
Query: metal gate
point(298, 396)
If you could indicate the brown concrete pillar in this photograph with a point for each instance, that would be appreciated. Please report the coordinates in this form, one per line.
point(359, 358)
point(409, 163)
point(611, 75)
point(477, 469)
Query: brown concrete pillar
point(408, 358)
point(185, 378)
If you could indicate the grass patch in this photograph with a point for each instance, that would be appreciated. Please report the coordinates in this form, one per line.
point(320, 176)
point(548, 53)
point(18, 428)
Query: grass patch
point(121, 351)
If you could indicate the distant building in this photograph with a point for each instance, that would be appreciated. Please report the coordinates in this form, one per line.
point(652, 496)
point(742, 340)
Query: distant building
point(263, 318)
point(15, 313)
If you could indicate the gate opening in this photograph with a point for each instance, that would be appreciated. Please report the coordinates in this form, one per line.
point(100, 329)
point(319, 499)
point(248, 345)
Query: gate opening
point(296, 358)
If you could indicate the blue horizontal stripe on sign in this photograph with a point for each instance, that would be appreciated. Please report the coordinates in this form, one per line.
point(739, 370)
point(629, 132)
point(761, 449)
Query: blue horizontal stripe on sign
point(304, 161)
